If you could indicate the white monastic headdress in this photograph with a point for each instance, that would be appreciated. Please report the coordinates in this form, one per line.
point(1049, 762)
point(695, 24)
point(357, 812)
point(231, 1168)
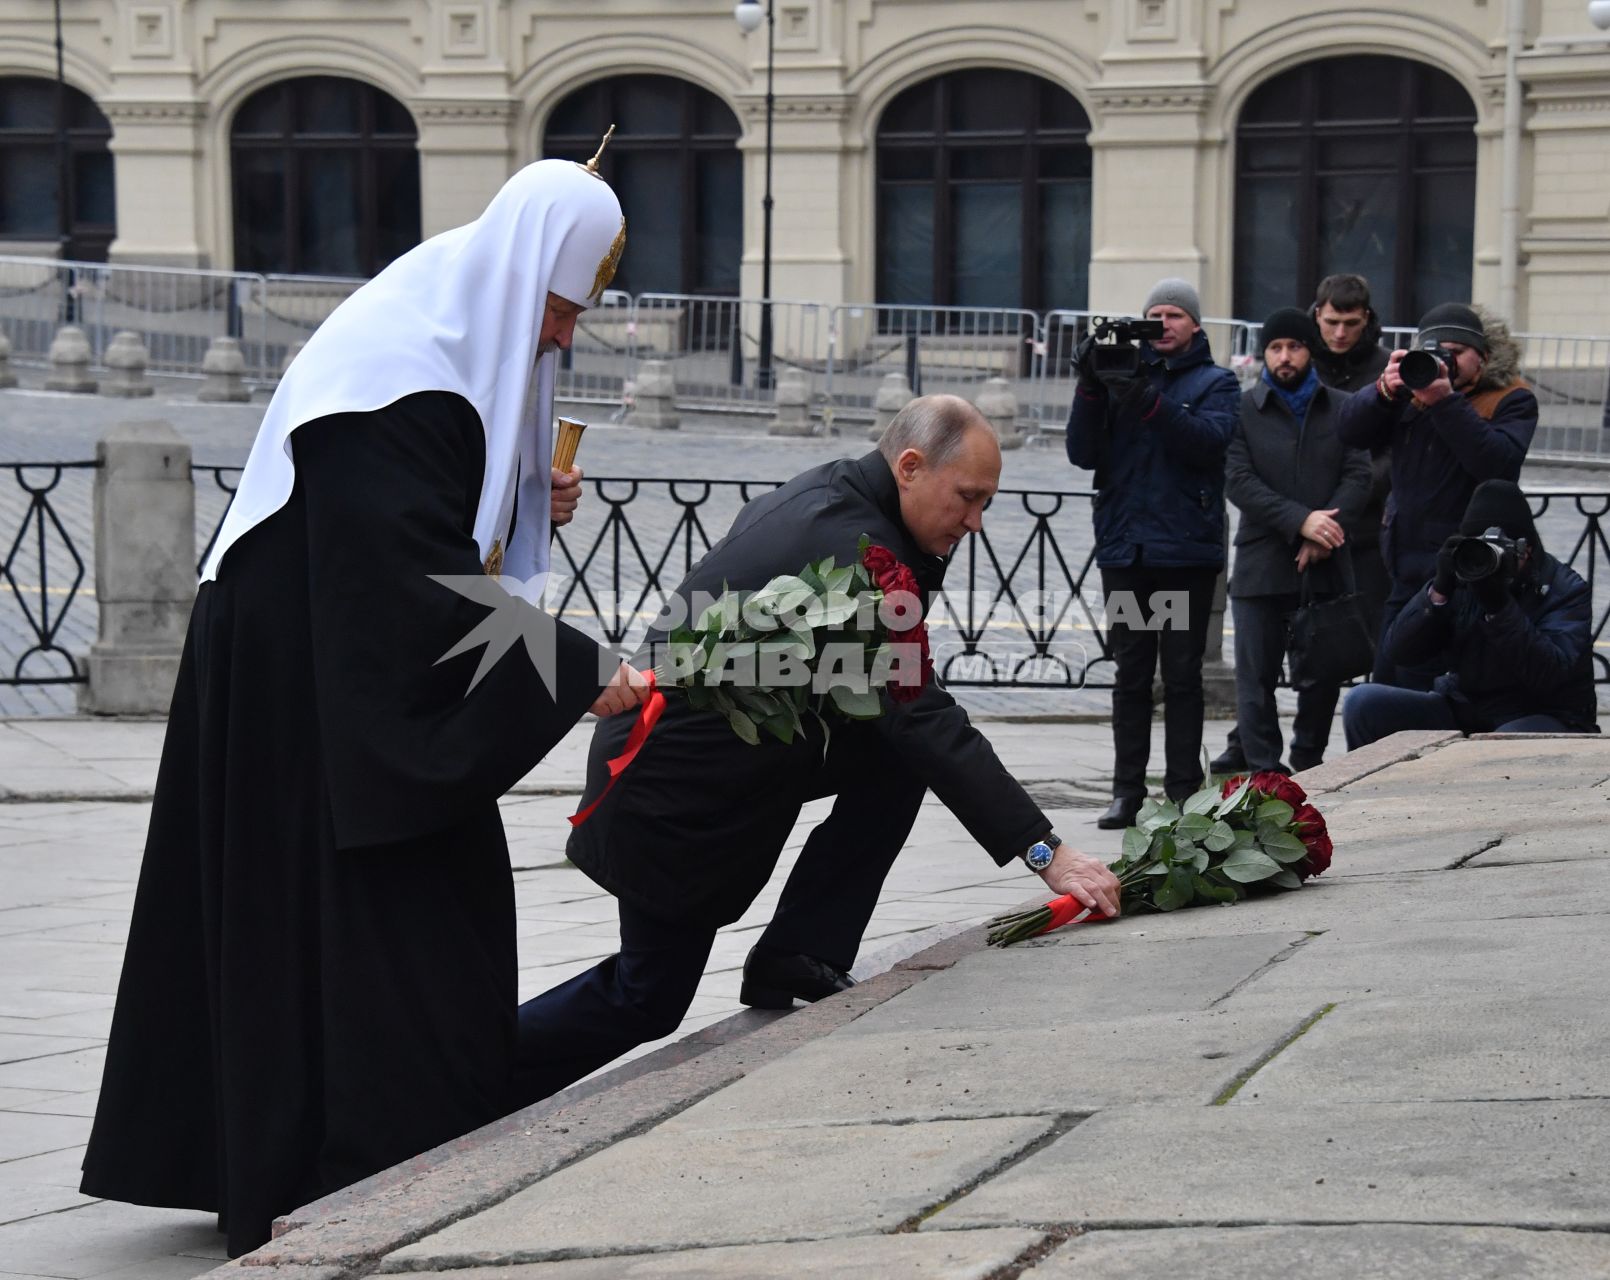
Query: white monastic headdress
point(461, 312)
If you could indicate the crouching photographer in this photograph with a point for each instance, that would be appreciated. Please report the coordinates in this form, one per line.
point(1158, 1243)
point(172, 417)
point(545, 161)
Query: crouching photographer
point(1511, 624)
point(1152, 416)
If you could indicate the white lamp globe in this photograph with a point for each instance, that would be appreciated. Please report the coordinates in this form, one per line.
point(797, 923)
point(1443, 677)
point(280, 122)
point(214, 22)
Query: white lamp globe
point(1598, 13)
point(750, 14)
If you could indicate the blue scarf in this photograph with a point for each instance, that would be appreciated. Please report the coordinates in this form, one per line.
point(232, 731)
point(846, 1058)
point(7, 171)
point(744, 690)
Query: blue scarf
point(1298, 400)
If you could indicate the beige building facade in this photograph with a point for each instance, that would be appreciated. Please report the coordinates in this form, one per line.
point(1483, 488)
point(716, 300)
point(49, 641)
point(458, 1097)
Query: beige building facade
point(1161, 85)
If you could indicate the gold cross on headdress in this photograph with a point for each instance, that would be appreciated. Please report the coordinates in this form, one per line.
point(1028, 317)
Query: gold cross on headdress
point(592, 165)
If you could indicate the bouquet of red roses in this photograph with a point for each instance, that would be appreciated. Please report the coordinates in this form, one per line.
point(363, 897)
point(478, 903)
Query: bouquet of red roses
point(1218, 846)
point(828, 639)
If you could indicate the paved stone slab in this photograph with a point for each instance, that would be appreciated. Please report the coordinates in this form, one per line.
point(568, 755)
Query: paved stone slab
point(103, 1235)
point(1477, 959)
point(669, 1190)
point(1466, 1048)
point(1381, 1251)
point(923, 1075)
point(960, 1255)
point(1531, 1164)
point(1070, 977)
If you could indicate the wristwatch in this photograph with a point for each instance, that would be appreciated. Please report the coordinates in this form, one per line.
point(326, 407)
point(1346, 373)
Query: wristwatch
point(1040, 852)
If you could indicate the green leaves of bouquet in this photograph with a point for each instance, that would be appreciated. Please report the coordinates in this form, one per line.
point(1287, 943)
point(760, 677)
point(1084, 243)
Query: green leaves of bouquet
point(804, 644)
point(1222, 843)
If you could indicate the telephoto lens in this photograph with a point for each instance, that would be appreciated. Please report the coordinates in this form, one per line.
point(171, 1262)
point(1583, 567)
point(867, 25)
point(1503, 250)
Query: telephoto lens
point(1419, 369)
point(1475, 559)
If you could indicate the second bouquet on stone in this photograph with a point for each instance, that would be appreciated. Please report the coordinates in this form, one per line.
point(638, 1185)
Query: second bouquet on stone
point(1218, 845)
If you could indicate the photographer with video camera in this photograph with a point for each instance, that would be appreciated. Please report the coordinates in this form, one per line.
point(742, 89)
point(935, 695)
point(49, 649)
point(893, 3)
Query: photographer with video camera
point(1455, 412)
point(1510, 625)
point(1152, 416)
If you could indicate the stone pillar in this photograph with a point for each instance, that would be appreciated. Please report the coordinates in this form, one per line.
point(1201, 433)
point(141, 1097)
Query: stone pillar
point(7, 378)
point(654, 397)
point(69, 362)
point(793, 399)
point(145, 568)
point(894, 394)
point(126, 361)
point(225, 368)
point(997, 403)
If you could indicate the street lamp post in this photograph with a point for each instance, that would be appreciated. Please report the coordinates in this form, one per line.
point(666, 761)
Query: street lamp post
point(749, 16)
point(63, 219)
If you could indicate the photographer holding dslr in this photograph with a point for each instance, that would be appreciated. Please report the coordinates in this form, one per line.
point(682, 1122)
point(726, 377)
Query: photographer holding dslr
point(1153, 418)
point(1455, 413)
point(1510, 624)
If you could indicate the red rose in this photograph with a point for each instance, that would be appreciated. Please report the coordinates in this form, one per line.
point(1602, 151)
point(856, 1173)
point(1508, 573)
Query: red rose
point(899, 582)
point(879, 561)
point(1278, 786)
point(1231, 786)
point(1309, 822)
point(1318, 859)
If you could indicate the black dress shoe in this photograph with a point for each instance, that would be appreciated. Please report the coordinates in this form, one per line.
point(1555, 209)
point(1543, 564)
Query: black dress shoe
point(1120, 814)
point(774, 979)
point(1228, 761)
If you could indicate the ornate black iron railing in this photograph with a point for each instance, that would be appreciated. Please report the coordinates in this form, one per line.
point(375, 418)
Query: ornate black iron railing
point(44, 570)
point(1022, 608)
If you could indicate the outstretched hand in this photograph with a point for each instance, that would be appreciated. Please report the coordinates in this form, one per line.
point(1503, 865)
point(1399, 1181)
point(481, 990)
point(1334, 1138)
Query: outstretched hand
point(1088, 879)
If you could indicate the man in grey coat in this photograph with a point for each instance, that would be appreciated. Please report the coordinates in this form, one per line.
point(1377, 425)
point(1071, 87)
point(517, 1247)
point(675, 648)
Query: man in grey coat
point(1299, 491)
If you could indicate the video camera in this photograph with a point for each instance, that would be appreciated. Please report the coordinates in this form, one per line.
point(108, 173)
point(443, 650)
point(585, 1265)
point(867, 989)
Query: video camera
point(1115, 354)
point(1492, 552)
point(1420, 368)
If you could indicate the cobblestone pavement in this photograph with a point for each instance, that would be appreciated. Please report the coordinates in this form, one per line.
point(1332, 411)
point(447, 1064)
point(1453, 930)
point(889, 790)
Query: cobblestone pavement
point(67, 874)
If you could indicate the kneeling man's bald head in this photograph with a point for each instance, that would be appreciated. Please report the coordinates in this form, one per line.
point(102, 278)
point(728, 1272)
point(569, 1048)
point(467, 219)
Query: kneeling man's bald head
point(947, 464)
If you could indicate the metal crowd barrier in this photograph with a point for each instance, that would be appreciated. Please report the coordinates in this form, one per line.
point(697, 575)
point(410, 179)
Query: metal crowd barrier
point(836, 356)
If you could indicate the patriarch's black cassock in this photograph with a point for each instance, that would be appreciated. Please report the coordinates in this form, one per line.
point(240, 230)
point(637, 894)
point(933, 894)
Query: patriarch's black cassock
point(320, 973)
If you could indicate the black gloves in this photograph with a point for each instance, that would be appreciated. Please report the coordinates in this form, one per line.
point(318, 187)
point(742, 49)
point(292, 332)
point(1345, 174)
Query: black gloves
point(1444, 583)
point(1492, 591)
point(1084, 361)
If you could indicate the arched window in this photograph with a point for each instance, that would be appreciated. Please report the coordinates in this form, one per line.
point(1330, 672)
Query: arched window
point(326, 178)
point(984, 193)
point(29, 168)
point(1364, 164)
point(674, 163)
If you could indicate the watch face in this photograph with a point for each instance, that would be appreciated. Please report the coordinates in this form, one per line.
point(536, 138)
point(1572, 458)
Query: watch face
point(1038, 856)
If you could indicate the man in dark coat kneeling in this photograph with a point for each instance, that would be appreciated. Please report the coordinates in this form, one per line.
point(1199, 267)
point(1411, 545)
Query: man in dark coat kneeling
point(691, 832)
point(1511, 624)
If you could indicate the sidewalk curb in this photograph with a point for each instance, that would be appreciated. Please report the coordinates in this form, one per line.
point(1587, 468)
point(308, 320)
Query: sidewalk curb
point(346, 1234)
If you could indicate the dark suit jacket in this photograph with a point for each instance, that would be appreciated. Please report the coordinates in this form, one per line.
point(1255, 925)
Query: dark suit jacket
point(695, 825)
point(1276, 472)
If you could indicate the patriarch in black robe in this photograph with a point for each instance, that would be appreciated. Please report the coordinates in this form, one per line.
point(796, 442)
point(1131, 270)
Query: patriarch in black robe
point(320, 977)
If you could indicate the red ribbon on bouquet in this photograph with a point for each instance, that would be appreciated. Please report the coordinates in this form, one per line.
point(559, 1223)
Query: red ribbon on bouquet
point(1022, 925)
point(648, 715)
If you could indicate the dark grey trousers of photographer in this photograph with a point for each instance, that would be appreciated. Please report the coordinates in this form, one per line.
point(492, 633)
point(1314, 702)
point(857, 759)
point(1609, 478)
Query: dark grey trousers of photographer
point(1179, 639)
point(1261, 626)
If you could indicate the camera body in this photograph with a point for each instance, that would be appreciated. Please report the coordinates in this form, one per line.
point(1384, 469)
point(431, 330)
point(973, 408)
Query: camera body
point(1480, 557)
point(1421, 367)
point(1115, 353)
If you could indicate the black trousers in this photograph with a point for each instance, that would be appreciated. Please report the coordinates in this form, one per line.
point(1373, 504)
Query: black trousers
point(643, 992)
point(1261, 625)
point(1143, 631)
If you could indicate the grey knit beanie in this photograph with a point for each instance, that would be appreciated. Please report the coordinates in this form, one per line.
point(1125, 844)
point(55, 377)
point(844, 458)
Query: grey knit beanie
point(1175, 292)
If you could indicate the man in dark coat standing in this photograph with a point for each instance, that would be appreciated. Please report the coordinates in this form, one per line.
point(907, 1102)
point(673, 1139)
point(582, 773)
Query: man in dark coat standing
point(692, 829)
point(1156, 442)
point(1300, 492)
point(1516, 645)
point(1473, 423)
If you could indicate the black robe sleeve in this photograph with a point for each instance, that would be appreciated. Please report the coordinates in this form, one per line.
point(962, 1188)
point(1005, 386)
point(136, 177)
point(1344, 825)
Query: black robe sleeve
point(410, 748)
